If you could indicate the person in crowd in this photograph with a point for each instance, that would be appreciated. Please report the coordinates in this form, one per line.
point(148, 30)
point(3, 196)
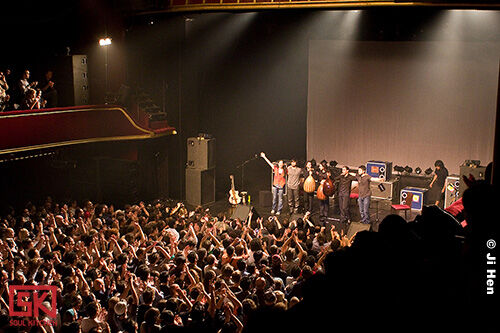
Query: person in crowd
point(49, 92)
point(293, 184)
point(124, 270)
point(32, 100)
point(279, 182)
point(24, 85)
point(4, 96)
point(365, 193)
point(437, 187)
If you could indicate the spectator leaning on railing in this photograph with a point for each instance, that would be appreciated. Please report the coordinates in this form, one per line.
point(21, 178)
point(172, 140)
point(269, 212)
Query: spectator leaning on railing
point(4, 97)
point(32, 100)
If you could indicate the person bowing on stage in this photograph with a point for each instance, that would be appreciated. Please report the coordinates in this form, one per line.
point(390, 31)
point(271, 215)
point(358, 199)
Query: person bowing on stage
point(279, 181)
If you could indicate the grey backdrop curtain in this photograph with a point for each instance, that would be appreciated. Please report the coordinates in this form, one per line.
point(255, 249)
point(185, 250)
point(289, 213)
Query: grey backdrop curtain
point(406, 102)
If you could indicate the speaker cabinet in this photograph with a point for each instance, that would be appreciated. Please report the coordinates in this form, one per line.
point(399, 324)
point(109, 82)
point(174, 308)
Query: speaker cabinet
point(200, 186)
point(72, 81)
point(452, 191)
point(477, 172)
point(419, 197)
point(378, 169)
point(200, 153)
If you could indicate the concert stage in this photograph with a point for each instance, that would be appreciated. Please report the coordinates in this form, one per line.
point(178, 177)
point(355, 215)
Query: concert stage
point(224, 207)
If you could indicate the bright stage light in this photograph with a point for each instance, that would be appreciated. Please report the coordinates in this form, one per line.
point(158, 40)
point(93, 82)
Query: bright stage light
point(105, 41)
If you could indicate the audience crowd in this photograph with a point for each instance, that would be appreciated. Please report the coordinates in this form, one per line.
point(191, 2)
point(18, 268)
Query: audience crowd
point(161, 268)
point(24, 94)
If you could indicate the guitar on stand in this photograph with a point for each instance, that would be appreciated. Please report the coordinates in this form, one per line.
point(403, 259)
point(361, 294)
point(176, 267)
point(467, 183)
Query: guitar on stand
point(234, 197)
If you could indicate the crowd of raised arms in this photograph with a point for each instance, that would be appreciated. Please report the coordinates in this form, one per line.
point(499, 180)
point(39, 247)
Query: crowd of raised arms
point(161, 268)
point(147, 268)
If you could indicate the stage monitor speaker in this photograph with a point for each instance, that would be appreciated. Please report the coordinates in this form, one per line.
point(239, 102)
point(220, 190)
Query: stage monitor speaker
point(295, 216)
point(200, 153)
point(356, 227)
point(476, 172)
point(452, 190)
point(265, 198)
point(200, 186)
point(241, 212)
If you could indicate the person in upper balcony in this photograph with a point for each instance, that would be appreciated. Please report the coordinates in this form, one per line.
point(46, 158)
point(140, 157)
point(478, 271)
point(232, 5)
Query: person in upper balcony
point(49, 93)
point(4, 97)
point(32, 100)
point(23, 86)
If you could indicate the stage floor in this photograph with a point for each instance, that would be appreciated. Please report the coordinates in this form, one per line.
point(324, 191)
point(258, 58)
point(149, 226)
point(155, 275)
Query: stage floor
point(223, 206)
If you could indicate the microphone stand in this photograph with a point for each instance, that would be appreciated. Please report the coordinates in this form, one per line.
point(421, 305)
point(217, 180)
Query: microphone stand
point(242, 166)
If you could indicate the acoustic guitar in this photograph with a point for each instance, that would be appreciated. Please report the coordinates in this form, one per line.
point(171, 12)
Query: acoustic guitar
point(309, 184)
point(234, 197)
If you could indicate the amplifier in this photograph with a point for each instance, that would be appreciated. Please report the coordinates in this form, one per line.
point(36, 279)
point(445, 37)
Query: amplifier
point(419, 197)
point(377, 169)
point(477, 172)
point(452, 192)
point(384, 189)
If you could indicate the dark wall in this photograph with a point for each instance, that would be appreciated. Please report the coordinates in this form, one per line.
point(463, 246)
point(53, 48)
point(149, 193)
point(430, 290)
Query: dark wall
point(241, 77)
point(119, 173)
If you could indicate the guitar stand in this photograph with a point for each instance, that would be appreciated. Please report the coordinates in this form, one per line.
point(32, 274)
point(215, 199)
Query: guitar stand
point(244, 197)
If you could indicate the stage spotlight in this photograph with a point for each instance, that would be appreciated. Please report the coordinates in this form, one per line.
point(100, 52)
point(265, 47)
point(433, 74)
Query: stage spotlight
point(105, 41)
point(408, 169)
point(428, 171)
point(333, 164)
point(399, 168)
point(418, 171)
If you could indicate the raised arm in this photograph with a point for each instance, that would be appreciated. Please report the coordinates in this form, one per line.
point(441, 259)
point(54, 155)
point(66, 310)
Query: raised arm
point(263, 155)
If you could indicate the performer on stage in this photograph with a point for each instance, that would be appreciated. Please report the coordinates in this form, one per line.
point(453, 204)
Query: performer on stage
point(323, 204)
point(437, 186)
point(308, 197)
point(279, 181)
point(293, 183)
point(365, 193)
point(344, 185)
